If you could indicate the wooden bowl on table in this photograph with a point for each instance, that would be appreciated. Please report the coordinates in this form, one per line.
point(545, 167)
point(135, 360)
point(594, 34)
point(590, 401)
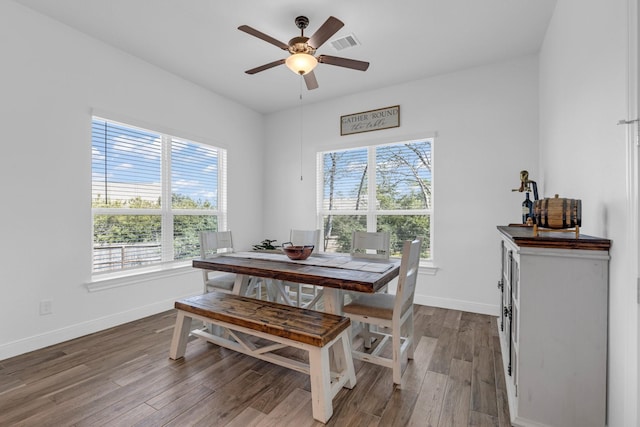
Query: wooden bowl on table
point(297, 252)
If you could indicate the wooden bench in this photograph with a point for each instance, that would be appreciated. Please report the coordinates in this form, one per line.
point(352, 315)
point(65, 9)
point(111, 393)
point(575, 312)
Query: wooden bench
point(245, 319)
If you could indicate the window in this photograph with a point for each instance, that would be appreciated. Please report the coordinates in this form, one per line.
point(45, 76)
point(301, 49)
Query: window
point(377, 188)
point(151, 195)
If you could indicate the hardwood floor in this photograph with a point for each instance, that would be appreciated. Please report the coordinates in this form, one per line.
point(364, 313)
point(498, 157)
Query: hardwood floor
point(123, 377)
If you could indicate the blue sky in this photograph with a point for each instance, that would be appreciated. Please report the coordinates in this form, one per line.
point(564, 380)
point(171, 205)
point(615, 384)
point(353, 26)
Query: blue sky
point(133, 164)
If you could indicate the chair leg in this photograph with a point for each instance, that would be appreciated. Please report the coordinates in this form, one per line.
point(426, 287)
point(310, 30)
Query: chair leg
point(396, 340)
point(365, 332)
point(410, 337)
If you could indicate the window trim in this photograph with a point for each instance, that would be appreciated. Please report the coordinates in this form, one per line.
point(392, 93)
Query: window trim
point(110, 280)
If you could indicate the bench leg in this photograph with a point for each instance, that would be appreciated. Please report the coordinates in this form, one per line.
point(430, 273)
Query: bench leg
point(180, 336)
point(348, 369)
point(341, 360)
point(320, 376)
point(322, 391)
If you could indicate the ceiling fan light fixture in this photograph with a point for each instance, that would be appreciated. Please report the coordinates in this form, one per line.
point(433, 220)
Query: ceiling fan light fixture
point(301, 63)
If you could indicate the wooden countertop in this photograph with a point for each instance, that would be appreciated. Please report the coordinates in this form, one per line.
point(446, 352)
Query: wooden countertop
point(523, 236)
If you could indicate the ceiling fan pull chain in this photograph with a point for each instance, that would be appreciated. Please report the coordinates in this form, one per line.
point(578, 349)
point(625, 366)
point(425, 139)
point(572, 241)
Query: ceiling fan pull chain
point(301, 128)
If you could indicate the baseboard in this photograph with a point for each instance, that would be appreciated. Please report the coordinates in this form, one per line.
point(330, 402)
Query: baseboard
point(57, 336)
point(454, 304)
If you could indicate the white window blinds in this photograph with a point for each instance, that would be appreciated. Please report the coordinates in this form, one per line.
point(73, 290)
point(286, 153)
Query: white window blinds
point(377, 188)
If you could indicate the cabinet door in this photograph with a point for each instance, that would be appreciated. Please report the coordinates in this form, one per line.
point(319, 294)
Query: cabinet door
point(508, 302)
point(501, 281)
point(514, 310)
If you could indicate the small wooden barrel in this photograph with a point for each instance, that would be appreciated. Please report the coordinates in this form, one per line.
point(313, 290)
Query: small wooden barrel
point(558, 213)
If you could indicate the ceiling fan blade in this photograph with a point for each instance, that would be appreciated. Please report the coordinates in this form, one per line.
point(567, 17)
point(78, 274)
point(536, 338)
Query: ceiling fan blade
point(247, 29)
point(328, 29)
point(265, 66)
point(344, 62)
point(310, 80)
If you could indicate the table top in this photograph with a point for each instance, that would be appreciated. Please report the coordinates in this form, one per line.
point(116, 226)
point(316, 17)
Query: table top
point(523, 236)
point(356, 274)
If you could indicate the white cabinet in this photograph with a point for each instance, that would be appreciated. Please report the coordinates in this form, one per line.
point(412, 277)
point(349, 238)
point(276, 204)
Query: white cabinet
point(553, 327)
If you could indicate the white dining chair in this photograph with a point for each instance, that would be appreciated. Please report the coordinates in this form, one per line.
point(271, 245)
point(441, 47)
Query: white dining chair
point(215, 243)
point(367, 244)
point(394, 312)
point(371, 245)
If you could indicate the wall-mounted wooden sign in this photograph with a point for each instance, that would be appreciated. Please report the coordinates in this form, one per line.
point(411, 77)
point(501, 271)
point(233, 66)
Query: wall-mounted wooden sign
point(367, 121)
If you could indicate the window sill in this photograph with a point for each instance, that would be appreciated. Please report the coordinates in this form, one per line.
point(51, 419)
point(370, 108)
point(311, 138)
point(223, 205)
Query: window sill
point(101, 282)
point(428, 268)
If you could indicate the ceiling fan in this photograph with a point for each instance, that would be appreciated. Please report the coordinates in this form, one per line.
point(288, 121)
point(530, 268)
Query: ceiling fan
point(302, 49)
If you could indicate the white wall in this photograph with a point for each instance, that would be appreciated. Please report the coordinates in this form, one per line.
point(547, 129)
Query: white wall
point(486, 121)
point(51, 78)
point(585, 155)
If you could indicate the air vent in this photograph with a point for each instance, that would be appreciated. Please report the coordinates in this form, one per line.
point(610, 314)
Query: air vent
point(345, 42)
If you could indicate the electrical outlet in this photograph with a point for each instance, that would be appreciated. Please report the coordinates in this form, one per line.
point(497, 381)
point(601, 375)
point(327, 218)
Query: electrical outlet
point(46, 307)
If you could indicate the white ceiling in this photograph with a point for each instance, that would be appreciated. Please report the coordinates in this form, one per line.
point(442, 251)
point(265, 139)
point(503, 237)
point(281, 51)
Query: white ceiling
point(404, 40)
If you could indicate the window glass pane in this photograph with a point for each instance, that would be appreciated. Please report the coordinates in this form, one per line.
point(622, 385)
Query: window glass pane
point(186, 229)
point(403, 176)
point(345, 180)
point(406, 227)
point(338, 230)
point(194, 176)
point(125, 166)
point(124, 241)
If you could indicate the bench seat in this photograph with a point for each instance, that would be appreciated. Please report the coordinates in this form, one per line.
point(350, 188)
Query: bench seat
point(244, 319)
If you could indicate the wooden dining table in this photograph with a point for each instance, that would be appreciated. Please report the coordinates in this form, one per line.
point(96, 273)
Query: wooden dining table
point(335, 273)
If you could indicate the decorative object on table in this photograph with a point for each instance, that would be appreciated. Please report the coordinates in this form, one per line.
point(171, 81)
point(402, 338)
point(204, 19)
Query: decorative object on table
point(301, 49)
point(300, 252)
point(557, 214)
point(306, 296)
point(266, 245)
point(527, 205)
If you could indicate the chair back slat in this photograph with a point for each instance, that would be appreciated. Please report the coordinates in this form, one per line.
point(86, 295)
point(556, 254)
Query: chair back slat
point(305, 237)
point(215, 242)
point(366, 244)
point(408, 276)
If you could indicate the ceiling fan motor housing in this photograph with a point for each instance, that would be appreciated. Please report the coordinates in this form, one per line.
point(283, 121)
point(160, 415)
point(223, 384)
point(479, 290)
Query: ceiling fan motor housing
point(302, 22)
point(299, 45)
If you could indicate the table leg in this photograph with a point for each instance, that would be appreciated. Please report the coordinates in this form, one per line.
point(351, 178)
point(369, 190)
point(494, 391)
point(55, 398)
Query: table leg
point(333, 300)
point(241, 284)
